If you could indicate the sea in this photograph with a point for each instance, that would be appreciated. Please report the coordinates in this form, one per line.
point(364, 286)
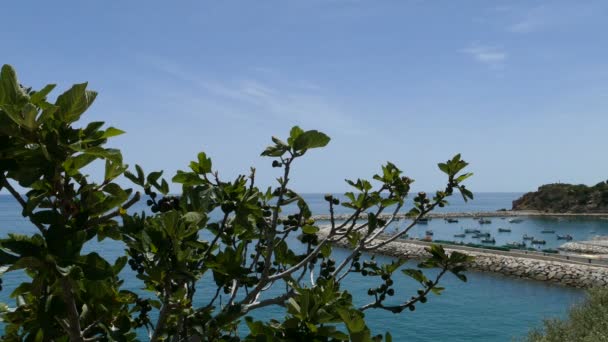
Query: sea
point(488, 307)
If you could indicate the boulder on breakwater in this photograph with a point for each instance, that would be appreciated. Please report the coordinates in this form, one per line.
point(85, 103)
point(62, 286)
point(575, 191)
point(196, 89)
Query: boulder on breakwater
point(597, 245)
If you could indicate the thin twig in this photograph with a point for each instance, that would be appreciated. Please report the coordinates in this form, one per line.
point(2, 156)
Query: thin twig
point(19, 199)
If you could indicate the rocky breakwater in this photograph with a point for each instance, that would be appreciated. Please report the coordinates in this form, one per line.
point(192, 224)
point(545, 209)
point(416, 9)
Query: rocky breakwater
point(598, 246)
point(532, 267)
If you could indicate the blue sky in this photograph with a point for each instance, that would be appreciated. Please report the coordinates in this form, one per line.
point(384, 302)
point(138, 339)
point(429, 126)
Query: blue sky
point(519, 88)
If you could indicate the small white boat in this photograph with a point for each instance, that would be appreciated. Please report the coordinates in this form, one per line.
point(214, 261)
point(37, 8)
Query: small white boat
point(515, 220)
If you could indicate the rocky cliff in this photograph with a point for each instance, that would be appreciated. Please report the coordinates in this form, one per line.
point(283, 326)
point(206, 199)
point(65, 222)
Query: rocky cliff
point(562, 198)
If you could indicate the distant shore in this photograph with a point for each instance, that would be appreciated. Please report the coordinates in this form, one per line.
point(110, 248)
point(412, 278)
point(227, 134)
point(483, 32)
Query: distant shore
point(507, 213)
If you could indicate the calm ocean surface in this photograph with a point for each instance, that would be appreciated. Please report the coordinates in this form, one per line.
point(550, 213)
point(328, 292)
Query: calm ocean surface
point(488, 307)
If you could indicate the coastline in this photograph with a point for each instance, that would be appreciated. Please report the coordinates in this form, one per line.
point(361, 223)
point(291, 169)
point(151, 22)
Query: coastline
point(507, 213)
point(568, 271)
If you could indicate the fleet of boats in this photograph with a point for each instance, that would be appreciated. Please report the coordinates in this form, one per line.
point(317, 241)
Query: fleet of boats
point(486, 237)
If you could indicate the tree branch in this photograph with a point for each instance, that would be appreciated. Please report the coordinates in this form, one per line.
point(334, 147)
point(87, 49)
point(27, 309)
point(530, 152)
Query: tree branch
point(73, 328)
point(19, 199)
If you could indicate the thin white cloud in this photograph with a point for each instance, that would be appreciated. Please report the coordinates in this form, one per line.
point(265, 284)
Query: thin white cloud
point(531, 20)
point(293, 101)
point(487, 55)
point(547, 16)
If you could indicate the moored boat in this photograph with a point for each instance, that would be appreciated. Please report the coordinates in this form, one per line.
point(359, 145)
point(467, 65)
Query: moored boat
point(539, 242)
point(429, 233)
point(451, 220)
point(504, 230)
point(564, 237)
point(472, 231)
point(548, 231)
point(460, 235)
point(527, 237)
point(484, 221)
point(515, 220)
point(488, 240)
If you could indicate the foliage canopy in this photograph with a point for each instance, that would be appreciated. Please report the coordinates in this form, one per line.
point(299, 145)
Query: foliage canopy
point(230, 232)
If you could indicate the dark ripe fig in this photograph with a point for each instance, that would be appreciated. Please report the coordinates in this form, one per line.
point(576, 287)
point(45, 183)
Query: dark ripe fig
point(390, 292)
point(154, 208)
point(422, 299)
point(276, 163)
point(389, 282)
point(335, 201)
point(385, 276)
point(412, 307)
point(329, 197)
point(153, 194)
point(227, 207)
point(149, 202)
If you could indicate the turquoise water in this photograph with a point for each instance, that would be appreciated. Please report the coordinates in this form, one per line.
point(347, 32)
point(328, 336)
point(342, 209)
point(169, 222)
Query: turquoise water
point(488, 307)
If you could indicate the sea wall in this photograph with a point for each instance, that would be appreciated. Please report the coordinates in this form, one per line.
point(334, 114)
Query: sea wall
point(537, 268)
point(598, 245)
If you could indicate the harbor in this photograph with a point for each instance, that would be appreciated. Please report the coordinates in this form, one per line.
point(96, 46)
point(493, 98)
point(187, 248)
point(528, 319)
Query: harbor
point(568, 270)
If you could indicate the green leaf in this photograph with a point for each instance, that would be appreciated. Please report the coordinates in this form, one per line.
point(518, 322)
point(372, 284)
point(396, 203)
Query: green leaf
point(112, 132)
point(310, 139)
point(372, 222)
point(105, 153)
point(204, 163)
point(187, 178)
point(279, 142)
point(10, 91)
point(95, 267)
point(140, 174)
point(164, 187)
point(72, 165)
point(119, 264)
point(463, 177)
point(41, 95)
point(74, 102)
point(29, 112)
point(415, 274)
point(274, 151)
point(154, 176)
point(193, 217)
point(6, 258)
point(308, 229)
point(294, 134)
